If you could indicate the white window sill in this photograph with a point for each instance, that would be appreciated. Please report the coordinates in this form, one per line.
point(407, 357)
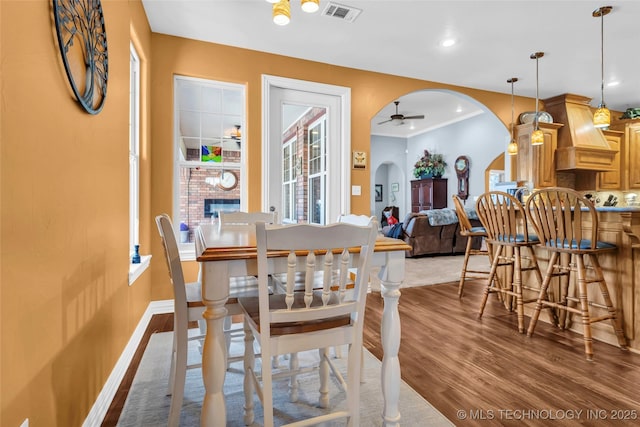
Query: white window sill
point(187, 252)
point(136, 270)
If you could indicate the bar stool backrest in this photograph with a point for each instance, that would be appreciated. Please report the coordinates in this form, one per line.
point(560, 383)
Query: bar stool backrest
point(558, 213)
point(504, 218)
point(463, 219)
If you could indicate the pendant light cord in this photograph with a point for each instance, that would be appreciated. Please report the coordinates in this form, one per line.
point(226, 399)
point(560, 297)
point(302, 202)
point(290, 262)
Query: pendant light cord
point(602, 59)
point(537, 85)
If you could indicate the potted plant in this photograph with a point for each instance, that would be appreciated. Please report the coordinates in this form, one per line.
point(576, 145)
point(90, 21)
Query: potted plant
point(429, 165)
point(184, 233)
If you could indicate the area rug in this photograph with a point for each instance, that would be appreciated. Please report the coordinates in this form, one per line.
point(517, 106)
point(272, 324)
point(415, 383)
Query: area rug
point(148, 405)
point(433, 270)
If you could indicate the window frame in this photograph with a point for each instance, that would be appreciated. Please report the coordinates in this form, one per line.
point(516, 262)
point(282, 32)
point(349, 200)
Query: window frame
point(321, 124)
point(187, 250)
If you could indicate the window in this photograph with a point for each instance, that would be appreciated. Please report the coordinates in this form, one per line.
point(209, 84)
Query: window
point(209, 118)
point(317, 170)
point(134, 150)
point(289, 177)
point(135, 270)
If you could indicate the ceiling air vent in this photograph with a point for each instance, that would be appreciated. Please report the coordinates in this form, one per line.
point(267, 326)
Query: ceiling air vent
point(340, 11)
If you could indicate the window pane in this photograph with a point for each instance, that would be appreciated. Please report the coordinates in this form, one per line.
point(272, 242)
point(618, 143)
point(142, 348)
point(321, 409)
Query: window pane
point(316, 198)
point(201, 198)
point(208, 141)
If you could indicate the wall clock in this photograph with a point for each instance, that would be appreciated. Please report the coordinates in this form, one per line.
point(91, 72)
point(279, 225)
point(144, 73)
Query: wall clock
point(462, 170)
point(228, 180)
point(82, 40)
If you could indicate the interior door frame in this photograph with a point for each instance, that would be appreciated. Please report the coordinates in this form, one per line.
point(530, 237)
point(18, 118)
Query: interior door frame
point(343, 94)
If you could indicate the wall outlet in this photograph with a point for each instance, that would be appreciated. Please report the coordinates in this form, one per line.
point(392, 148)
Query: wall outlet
point(25, 423)
point(356, 190)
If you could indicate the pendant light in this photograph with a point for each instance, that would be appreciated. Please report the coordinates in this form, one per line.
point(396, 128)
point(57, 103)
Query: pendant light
point(282, 9)
point(310, 6)
point(281, 12)
point(602, 116)
point(512, 148)
point(537, 137)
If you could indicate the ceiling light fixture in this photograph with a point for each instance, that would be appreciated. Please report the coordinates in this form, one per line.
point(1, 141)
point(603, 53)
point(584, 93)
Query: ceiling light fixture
point(512, 148)
point(310, 6)
point(602, 116)
point(281, 12)
point(236, 134)
point(448, 42)
point(537, 137)
point(282, 9)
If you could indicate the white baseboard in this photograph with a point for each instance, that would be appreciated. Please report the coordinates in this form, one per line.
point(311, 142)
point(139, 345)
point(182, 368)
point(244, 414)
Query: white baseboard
point(102, 403)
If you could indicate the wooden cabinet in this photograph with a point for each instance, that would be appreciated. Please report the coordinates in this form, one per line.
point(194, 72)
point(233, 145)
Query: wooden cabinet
point(430, 193)
point(536, 163)
point(613, 180)
point(630, 153)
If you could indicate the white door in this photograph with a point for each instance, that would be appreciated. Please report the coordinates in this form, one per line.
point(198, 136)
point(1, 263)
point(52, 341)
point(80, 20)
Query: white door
point(325, 167)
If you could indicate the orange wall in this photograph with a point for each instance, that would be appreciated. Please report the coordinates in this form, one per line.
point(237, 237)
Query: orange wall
point(370, 92)
point(67, 311)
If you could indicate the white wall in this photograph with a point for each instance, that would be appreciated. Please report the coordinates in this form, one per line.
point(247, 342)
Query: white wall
point(388, 160)
point(481, 138)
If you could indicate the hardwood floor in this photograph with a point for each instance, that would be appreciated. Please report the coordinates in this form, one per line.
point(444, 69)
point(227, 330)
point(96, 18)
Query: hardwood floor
point(484, 369)
point(158, 323)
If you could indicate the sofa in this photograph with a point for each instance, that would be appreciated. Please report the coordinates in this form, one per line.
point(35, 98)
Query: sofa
point(437, 232)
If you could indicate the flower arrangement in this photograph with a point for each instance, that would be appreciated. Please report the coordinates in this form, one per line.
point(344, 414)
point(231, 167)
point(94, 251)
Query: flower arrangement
point(184, 227)
point(429, 164)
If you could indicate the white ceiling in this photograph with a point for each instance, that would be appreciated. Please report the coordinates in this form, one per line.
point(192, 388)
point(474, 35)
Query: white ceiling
point(493, 42)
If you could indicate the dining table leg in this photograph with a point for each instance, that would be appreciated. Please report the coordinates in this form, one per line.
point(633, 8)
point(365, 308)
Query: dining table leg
point(391, 276)
point(214, 357)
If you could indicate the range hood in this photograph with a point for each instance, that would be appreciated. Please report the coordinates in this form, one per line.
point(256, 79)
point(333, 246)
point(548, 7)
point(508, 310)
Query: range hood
point(581, 146)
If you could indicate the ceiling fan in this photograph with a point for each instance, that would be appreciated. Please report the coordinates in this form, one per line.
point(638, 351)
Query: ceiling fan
point(398, 119)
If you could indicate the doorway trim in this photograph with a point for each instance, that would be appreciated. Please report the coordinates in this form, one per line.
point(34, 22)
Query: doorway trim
point(344, 94)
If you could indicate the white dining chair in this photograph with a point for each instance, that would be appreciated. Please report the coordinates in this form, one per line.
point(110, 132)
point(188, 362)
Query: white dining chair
point(188, 307)
point(240, 217)
point(314, 319)
point(229, 219)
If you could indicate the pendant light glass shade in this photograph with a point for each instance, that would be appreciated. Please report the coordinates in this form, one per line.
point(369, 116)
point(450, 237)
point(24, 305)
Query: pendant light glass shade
point(602, 116)
point(310, 6)
point(282, 12)
point(512, 148)
point(537, 137)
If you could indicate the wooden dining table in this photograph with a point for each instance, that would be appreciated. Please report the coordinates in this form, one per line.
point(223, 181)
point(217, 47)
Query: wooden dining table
point(230, 251)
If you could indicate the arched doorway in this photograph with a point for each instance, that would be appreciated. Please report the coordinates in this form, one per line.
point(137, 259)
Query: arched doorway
point(454, 125)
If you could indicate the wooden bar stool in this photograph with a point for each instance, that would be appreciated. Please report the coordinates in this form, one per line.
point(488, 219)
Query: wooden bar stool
point(469, 231)
point(558, 215)
point(505, 221)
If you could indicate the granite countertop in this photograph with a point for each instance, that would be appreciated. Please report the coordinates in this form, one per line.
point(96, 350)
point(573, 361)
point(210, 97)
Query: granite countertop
point(618, 208)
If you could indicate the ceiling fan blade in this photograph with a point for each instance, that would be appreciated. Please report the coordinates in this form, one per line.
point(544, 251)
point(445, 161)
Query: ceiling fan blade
point(421, 116)
point(385, 121)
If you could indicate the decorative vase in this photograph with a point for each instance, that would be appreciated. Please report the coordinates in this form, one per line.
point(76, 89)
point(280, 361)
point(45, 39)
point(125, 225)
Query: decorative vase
point(425, 175)
point(135, 259)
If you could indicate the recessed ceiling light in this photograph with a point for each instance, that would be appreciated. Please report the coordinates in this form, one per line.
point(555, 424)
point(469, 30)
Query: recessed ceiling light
point(459, 109)
point(448, 42)
point(613, 83)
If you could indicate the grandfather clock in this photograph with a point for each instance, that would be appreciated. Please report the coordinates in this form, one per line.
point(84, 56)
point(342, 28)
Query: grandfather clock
point(462, 170)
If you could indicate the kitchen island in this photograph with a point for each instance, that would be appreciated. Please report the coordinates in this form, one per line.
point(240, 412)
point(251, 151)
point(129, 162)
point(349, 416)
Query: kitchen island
point(620, 226)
